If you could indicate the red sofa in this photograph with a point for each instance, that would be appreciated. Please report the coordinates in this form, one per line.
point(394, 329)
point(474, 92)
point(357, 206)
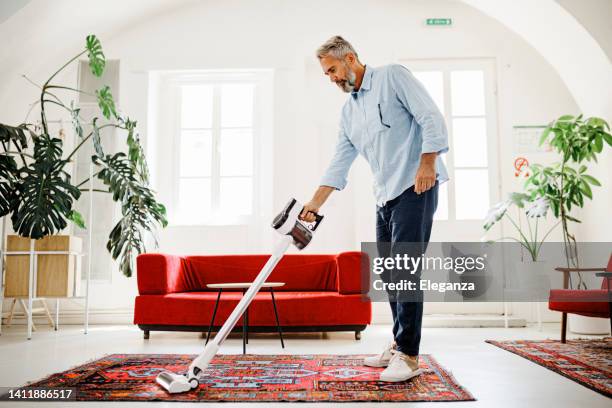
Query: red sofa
point(321, 292)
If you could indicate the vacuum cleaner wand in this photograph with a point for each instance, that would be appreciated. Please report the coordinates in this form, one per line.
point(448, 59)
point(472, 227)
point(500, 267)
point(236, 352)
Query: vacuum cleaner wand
point(293, 231)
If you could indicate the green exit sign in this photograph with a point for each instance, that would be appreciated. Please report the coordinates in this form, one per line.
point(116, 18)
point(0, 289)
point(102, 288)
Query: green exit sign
point(439, 21)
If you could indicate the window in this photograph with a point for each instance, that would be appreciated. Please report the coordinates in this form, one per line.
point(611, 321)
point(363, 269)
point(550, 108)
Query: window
point(461, 91)
point(215, 142)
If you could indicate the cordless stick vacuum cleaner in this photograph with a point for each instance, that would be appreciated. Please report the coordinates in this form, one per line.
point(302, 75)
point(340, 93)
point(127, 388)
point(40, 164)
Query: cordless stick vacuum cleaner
point(293, 231)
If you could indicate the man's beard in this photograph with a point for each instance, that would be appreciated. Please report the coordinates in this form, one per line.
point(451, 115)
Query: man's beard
point(348, 85)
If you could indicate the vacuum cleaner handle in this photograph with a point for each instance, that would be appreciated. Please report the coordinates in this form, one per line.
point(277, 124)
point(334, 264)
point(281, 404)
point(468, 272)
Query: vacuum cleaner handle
point(317, 221)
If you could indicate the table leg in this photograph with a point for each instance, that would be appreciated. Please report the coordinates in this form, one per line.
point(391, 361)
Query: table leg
point(244, 328)
point(280, 332)
point(247, 325)
point(212, 321)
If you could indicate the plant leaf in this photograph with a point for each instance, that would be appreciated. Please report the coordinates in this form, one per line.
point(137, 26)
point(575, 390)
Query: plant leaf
point(518, 199)
point(136, 152)
point(586, 189)
point(77, 218)
point(97, 142)
point(591, 180)
point(76, 119)
point(106, 102)
point(139, 209)
point(9, 177)
point(44, 196)
point(596, 122)
point(15, 134)
point(97, 60)
point(544, 136)
point(598, 145)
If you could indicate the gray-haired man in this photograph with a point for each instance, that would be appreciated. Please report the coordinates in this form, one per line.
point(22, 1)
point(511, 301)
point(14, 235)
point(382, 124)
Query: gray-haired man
point(391, 120)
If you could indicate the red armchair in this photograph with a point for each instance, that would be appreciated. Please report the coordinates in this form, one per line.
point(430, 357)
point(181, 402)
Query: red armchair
point(321, 292)
point(593, 303)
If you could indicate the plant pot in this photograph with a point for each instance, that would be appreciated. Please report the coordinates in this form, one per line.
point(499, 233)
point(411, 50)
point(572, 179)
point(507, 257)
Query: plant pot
point(588, 325)
point(533, 274)
point(57, 275)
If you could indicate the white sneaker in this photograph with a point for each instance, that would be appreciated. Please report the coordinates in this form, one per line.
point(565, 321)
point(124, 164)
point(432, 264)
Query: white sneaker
point(381, 360)
point(401, 368)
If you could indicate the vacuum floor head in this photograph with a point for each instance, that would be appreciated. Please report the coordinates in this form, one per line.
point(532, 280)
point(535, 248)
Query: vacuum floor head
point(175, 383)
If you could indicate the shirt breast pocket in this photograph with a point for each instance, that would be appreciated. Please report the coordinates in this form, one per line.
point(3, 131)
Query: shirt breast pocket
point(377, 121)
point(384, 114)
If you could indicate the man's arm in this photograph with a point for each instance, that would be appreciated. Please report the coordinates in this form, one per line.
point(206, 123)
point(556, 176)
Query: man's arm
point(317, 201)
point(417, 101)
point(334, 177)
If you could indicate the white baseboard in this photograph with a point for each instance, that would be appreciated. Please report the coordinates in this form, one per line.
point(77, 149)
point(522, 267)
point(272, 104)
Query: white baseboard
point(76, 317)
point(459, 320)
point(464, 321)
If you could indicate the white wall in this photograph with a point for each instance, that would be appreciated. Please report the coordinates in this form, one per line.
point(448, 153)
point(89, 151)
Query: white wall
point(594, 16)
point(583, 66)
point(282, 35)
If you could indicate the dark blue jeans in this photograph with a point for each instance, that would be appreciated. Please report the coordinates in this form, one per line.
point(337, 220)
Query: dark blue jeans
point(408, 219)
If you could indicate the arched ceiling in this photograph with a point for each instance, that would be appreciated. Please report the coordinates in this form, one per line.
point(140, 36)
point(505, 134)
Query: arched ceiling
point(564, 43)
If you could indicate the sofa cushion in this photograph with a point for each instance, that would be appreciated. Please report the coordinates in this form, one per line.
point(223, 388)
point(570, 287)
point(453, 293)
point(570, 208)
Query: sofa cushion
point(160, 273)
point(294, 309)
point(299, 272)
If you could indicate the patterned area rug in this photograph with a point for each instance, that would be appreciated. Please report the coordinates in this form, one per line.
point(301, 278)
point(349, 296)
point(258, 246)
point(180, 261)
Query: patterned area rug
point(588, 362)
point(131, 377)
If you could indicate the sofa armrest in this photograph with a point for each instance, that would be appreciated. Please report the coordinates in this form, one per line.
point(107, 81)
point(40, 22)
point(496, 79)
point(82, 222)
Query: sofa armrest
point(158, 274)
point(350, 267)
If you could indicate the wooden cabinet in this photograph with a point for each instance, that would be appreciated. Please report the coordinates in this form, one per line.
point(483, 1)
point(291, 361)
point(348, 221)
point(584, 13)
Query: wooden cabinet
point(56, 273)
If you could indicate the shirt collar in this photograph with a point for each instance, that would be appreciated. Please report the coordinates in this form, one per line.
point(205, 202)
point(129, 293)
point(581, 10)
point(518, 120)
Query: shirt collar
point(366, 82)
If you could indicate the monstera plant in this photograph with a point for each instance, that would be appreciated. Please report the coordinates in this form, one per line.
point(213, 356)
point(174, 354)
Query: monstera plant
point(36, 189)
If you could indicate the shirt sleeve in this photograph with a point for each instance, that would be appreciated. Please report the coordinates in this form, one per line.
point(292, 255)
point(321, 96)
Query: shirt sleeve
point(337, 171)
point(417, 101)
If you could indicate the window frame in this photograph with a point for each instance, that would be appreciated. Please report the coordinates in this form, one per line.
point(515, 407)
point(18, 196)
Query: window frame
point(488, 67)
point(216, 79)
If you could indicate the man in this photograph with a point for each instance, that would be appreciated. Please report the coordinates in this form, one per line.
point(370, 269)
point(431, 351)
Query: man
point(391, 120)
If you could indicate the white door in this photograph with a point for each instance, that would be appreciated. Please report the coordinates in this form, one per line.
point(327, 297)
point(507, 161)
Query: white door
point(465, 92)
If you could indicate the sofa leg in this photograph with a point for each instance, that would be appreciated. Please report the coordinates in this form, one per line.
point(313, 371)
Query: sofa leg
point(563, 327)
point(146, 334)
point(357, 335)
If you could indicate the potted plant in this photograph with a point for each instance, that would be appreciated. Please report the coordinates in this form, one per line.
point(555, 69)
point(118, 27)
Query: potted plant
point(530, 269)
point(566, 184)
point(36, 189)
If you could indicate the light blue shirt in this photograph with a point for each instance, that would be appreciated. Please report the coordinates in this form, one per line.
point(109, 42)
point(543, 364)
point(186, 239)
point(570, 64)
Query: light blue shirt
point(391, 120)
